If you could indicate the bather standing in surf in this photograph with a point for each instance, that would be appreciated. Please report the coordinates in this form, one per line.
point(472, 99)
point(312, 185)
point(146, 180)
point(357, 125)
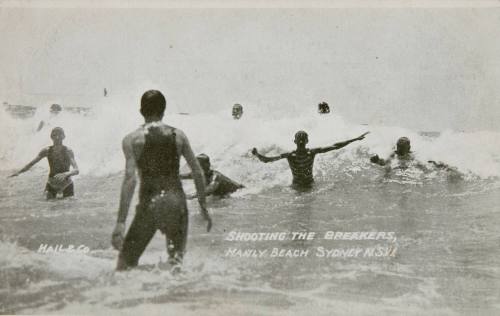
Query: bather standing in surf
point(60, 159)
point(301, 160)
point(153, 151)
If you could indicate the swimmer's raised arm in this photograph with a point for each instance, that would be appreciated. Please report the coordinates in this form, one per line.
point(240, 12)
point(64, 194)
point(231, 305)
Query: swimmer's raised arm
point(338, 145)
point(268, 159)
point(42, 154)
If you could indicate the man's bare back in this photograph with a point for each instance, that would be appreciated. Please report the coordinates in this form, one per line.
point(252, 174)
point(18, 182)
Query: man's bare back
point(136, 139)
point(153, 152)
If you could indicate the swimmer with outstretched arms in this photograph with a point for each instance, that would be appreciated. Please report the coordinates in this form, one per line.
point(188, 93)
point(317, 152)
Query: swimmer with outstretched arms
point(60, 159)
point(217, 184)
point(301, 160)
point(153, 151)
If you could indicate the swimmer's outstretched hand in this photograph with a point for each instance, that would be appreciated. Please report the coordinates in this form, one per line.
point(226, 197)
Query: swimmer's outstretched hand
point(206, 216)
point(117, 236)
point(14, 175)
point(362, 136)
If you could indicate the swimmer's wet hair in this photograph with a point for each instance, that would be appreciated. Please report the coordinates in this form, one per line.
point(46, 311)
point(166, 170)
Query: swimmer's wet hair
point(403, 141)
point(55, 108)
point(301, 134)
point(203, 157)
point(56, 130)
point(153, 103)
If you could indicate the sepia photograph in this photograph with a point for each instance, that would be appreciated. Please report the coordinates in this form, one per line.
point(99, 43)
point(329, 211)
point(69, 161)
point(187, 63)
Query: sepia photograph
point(228, 157)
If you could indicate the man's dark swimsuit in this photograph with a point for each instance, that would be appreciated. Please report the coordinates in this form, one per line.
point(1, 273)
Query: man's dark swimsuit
point(160, 193)
point(301, 164)
point(226, 186)
point(59, 162)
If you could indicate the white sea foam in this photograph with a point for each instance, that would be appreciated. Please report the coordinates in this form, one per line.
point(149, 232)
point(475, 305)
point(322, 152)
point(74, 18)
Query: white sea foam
point(96, 141)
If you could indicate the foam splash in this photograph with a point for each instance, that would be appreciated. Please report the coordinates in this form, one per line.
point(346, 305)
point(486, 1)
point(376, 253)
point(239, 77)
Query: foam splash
point(96, 140)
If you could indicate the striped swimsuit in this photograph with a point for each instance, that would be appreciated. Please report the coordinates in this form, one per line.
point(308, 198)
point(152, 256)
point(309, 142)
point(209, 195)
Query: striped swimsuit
point(301, 163)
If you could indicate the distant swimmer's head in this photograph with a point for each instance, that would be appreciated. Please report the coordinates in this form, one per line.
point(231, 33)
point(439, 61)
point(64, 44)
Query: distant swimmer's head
point(403, 146)
point(153, 104)
point(323, 108)
point(237, 111)
point(55, 108)
point(301, 138)
point(57, 134)
point(204, 162)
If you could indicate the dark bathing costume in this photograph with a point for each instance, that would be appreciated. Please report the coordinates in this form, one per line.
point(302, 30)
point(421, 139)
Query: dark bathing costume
point(59, 161)
point(301, 164)
point(162, 203)
point(226, 185)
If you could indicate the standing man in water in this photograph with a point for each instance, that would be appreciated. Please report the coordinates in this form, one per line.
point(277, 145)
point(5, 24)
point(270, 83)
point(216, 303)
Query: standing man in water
point(153, 151)
point(60, 159)
point(301, 160)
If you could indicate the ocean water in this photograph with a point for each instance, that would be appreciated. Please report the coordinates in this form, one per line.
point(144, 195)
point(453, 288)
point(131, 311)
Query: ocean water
point(441, 258)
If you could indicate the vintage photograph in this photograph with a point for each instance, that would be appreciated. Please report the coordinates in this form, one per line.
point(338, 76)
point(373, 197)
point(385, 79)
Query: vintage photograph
point(250, 157)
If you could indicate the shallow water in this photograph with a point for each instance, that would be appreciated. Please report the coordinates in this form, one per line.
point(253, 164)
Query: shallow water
point(445, 258)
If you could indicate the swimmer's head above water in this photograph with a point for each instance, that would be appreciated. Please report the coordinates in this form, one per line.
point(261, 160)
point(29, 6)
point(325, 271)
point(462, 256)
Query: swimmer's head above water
point(237, 111)
point(55, 109)
point(204, 162)
point(323, 108)
point(153, 105)
point(301, 139)
point(57, 135)
point(403, 146)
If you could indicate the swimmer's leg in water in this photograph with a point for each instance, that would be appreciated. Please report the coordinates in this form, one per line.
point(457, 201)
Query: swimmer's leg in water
point(69, 191)
point(50, 193)
point(171, 212)
point(139, 235)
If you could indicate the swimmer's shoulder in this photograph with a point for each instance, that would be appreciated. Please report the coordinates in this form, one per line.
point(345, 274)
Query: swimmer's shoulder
point(217, 176)
point(134, 139)
point(167, 129)
point(180, 138)
point(44, 152)
point(69, 151)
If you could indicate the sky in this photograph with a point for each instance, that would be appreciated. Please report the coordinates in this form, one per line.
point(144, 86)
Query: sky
point(420, 68)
